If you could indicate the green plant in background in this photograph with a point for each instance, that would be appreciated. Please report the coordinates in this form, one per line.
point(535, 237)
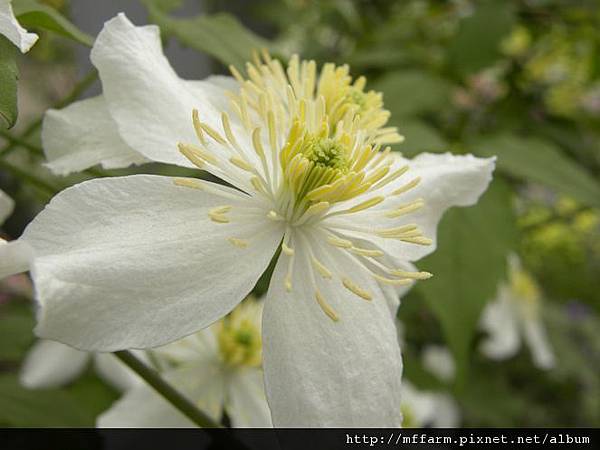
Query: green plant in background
point(517, 79)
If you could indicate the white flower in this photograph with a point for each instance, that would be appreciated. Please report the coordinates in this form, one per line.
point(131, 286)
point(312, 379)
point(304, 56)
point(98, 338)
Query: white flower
point(14, 256)
point(218, 369)
point(140, 261)
point(515, 314)
point(428, 408)
point(51, 364)
point(439, 361)
point(14, 32)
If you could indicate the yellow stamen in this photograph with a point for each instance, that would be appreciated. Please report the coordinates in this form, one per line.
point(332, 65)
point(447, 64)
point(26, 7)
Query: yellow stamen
point(325, 306)
point(241, 243)
point(355, 289)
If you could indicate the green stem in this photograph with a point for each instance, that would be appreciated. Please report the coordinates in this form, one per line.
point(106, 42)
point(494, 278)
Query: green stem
point(166, 390)
point(79, 89)
point(23, 175)
point(16, 141)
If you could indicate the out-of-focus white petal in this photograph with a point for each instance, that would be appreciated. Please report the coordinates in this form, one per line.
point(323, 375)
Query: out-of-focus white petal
point(135, 262)
point(246, 402)
point(151, 105)
point(82, 135)
point(142, 407)
point(439, 361)
point(115, 373)
point(500, 323)
point(6, 206)
point(324, 373)
point(537, 341)
point(14, 32)
point(15, 257)
point(51, 364)
point(428, 409)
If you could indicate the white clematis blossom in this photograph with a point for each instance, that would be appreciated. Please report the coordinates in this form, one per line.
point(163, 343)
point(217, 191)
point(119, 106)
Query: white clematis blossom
point(50, 364)
point(218, 369)
point(438, 360)
point(515, 315)
point(140, 261)
point(14, 32)
point(428, 408)
point(14, 256)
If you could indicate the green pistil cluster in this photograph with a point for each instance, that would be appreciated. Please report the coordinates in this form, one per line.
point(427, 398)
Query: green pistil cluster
point(327, 153)
point(240, 344)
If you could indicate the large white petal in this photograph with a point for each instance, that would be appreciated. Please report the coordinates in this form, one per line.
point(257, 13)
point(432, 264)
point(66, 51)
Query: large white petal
point(501, 324)
point(13, 31)
point(82, 135)
point(324, 373)
point(246, 402)
point(143, 407)
point(6, 206)
point(15, 257)
point(134, 262)
point(51, 364)
point(151, 105)
point(446, 180)
point(115, 373)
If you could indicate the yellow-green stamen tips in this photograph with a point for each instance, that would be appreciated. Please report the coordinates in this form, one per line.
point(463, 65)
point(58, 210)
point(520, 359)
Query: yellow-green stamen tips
point(239, 338)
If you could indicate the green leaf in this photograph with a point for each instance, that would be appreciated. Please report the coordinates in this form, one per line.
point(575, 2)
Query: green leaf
point(476, 45)
point(541, 162)
point(8, 82)
point(92, 393)
point(419, 137)
point(39, 408)
point(32, 14)
point(468, 264)
point(16, 330)
point(220, 35)
point(412, 92)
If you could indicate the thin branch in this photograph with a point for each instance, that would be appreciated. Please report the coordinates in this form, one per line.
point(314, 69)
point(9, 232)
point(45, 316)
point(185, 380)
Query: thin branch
point(166, 390)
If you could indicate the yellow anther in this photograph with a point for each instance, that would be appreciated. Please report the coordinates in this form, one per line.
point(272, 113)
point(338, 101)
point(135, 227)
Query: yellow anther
point(221, 209)
point(412, 275)
point(198, 127)
point(228, 133)
point(317, 208)
point(189, 182)
point(241, 243)
point(274, 216)
point(337, 242)
point(366, 252)
point(219, 218)
point(355, 289)
point(405, 209)
point(417, 240)
point(242, 164)
point(196, 155)
point(327, 309)
point(397, 231)
point(407, 187)
point(286, 249)
point(367, 204)
point(288, 283)
point(256, 142)
point(392, 281)
point(324, 271)
point(213, 133)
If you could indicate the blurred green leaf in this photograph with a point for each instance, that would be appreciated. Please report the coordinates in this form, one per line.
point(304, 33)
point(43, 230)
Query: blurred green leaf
point(8, 82)
point(220, 35)
point(92, 393)
point(32, 14)
point(541, 162)
point(467, 266)
point(419, 137)
point(476, 45)
point(36, 408)
point(16, 330)
point(412, 92)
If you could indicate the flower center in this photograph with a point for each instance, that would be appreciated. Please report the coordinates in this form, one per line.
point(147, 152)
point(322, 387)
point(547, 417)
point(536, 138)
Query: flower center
point(239, 339)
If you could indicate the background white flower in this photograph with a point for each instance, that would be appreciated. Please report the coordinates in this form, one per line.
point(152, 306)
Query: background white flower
point(428, 408)
point(51, 364)
point(514, 315)
point(438, 360)
point(141, 261)
point(14, 32)
point(218, 369)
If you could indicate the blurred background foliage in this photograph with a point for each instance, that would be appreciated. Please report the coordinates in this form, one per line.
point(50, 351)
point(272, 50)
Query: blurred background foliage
point(518, 79)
